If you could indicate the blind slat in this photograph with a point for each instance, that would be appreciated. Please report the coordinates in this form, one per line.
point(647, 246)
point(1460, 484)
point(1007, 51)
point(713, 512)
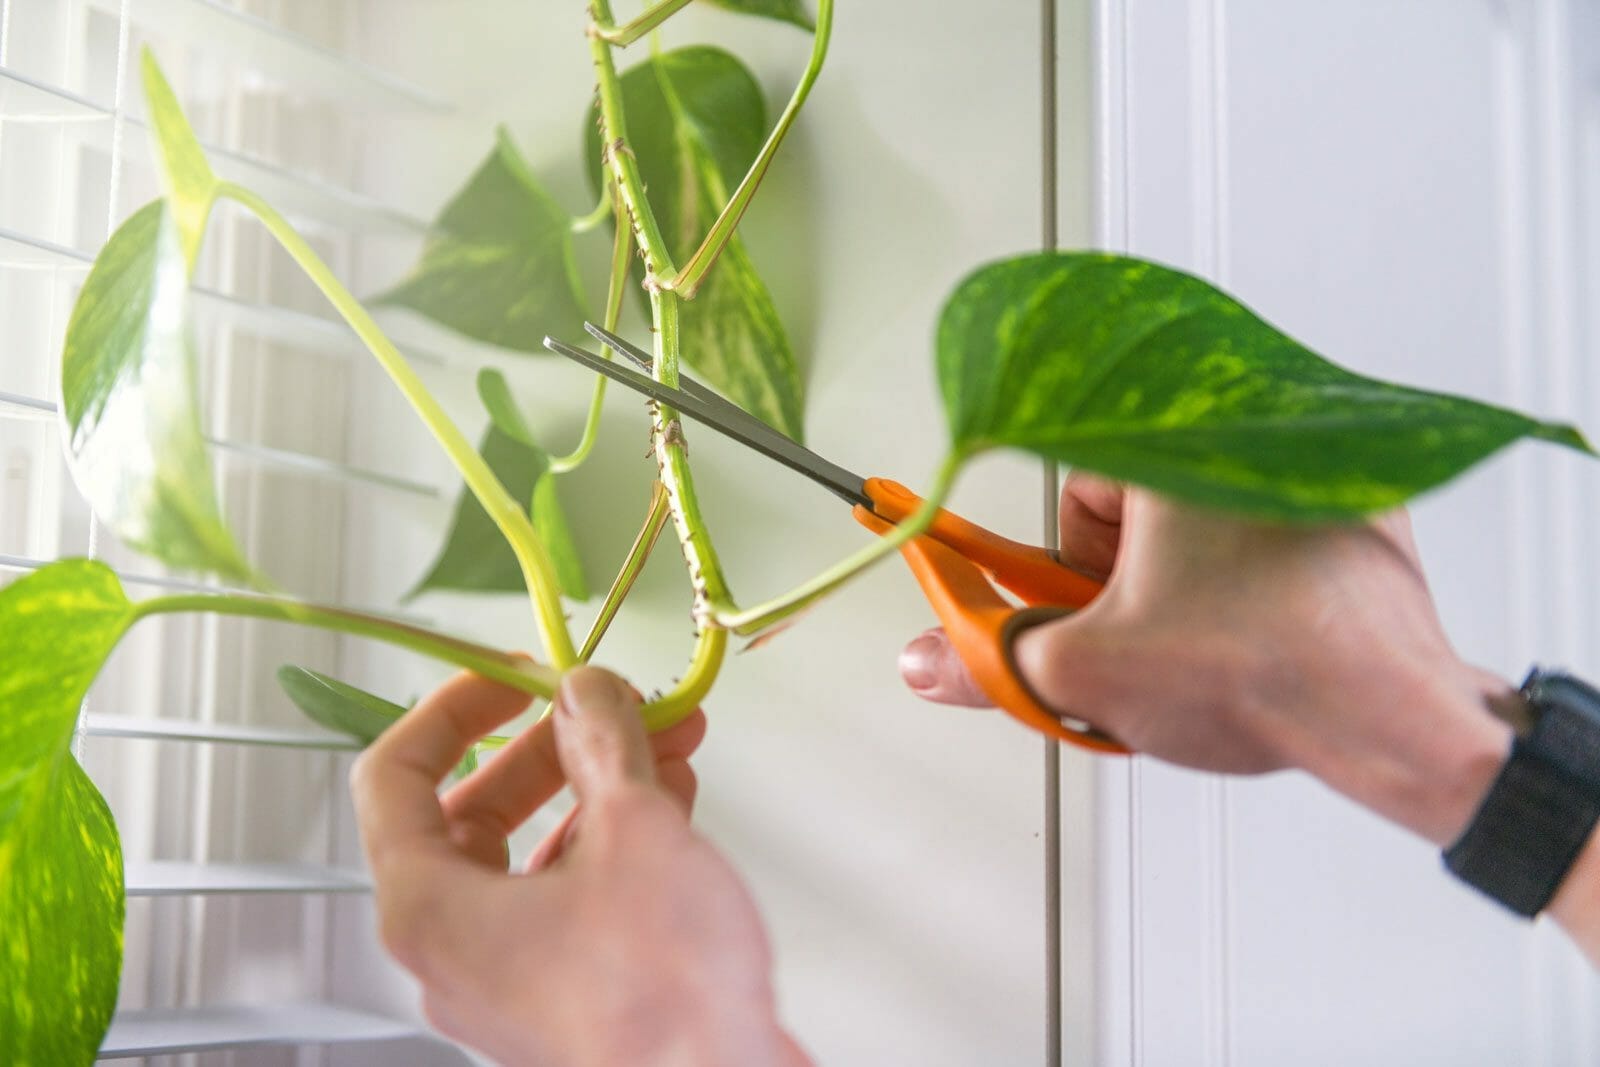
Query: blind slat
point(265, 455)
point(128, 727)
point(163, 1032)
point(300, 66)
point(175, 878)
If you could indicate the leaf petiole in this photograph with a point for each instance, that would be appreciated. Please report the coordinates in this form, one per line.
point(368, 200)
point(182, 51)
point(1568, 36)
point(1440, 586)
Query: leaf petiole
point(750, 621)
point(629, 32)
point(515, 671)
point(687, 281)
point(508, 514)
point(643, 545)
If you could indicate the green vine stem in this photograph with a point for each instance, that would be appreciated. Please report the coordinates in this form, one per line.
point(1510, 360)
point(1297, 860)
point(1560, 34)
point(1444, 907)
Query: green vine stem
point(515, 671)
point(624, 35)
point(601, 212)
point(621, 249)
point(688, 280)
point(537, 569)
point(704, 663)
point(751, 621)
point(643, 545)
point(705, 570)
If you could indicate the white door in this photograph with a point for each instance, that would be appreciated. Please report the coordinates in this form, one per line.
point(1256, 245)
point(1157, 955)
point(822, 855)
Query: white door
point(1412, 188)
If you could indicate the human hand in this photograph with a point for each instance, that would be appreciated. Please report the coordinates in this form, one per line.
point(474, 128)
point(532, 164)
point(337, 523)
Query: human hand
point(1244, 647)
point(627, 938)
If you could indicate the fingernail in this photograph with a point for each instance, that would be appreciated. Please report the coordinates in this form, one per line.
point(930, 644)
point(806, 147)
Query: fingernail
point(586, 688)
point(919, 661)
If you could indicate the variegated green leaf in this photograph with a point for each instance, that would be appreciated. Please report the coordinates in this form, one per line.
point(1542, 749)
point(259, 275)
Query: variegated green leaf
point(1152, 376)
point(476, 557)
point(696, 121)
point(345, 709)
point(499, 265)
point(191, 186)
point(131, 408)
point(61, 888)
point(792, 11)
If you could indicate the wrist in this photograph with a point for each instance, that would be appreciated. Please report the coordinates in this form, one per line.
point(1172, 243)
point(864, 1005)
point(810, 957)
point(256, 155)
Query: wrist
point(1443, 743)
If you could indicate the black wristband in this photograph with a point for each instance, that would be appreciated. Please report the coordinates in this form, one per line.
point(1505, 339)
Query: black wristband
point(1543, 805)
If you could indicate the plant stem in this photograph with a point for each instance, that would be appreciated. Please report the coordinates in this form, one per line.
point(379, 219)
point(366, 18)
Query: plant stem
point(621, 249)
point(752, 620)
point(624, 35)
point(508, 514)
point(601, 212)
point(688, 280)
point(523, 674)
point(643, 545)
point(705, 571)
point(706, 661)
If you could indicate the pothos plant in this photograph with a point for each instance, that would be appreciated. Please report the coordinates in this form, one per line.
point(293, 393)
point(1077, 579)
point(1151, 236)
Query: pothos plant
point(1100, 361)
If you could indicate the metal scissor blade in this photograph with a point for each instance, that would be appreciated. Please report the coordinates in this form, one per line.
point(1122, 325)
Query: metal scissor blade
point(747, 431)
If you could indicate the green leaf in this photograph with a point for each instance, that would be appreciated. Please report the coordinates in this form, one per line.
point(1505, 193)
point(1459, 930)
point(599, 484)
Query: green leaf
point(347, 710)
point(131, 408)
point(476, 557)
point(696, 121)
point(1152, 376)
point(61, 888)
point(190, 185)
point(783, 10)
point(499, 266)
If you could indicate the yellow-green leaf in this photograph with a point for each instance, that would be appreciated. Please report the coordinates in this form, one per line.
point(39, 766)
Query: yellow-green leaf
point(696, 121)
point(1152, 376)
point(61, 887)
point(131, 408)
point(190, 185)
point(790, 11)
point(347, 710)
point(499, 265)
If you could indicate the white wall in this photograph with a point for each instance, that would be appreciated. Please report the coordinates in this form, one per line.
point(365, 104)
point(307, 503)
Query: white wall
point(1411, 188)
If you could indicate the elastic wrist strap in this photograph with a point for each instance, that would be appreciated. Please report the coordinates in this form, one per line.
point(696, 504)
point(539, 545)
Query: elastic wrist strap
point(1543, 805)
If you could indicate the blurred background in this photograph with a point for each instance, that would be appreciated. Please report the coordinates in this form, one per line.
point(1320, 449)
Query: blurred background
point(1413, 189)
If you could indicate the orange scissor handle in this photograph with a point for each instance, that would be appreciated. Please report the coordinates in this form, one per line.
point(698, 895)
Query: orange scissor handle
point(1029, 571)
point(979, 622)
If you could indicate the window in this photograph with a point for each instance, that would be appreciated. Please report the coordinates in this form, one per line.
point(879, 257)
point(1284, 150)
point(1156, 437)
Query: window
point(233, 810)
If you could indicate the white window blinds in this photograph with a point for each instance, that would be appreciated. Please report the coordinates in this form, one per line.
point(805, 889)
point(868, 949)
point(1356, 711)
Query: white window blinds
point(232, 808)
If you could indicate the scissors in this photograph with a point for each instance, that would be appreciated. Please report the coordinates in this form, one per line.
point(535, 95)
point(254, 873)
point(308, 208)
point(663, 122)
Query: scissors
point(954, 562)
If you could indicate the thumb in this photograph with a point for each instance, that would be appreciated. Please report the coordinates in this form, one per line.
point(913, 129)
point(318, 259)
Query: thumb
point(934, 672)
point(600, 739)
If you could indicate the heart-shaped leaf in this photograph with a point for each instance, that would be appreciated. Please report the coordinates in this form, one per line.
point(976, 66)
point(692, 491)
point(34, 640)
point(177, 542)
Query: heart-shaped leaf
point(476, 557)
point(499, 266)
point(190, 184)
point(347, 710)
point(130, 405)
point(61, 888)
point(791, 11)
point(1152, 376)
point(696, 121)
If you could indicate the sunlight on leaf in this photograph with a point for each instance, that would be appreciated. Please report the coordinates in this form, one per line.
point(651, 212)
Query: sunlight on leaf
point(791, 11)
point(347, 710)
point(190, 184)
point(476, 557)
point(61, 888)
point(1152, 376)
point(499, 265)
point(696, 120)
point(131, 408)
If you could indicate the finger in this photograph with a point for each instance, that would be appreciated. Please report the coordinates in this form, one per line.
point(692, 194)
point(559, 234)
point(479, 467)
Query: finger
point(679, 780)
point(1073, 669)
point(934, 672)
point(554, 844)
point(394, 781)
point(485, 808)
point(1091, 523)
point(600, 738)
